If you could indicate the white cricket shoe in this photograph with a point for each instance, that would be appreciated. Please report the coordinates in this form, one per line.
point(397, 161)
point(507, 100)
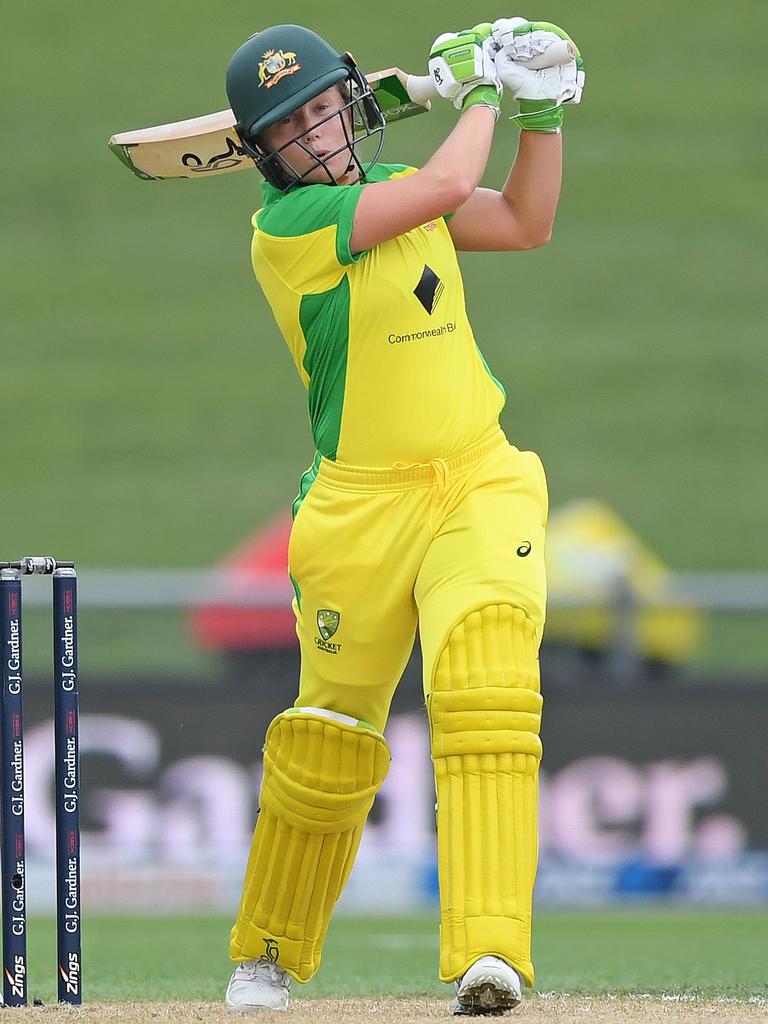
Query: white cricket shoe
point(258, 985)
point(490, 986)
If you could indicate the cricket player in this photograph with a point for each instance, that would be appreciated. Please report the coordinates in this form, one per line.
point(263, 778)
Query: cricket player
point(416, 511)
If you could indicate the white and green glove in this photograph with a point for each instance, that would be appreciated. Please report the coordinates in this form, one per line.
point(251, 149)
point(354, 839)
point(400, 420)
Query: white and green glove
point(522, 52)
point(462, 67)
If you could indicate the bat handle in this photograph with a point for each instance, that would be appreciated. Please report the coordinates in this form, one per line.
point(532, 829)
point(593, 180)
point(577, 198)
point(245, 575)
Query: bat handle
point(422, 89)
point(561, 52)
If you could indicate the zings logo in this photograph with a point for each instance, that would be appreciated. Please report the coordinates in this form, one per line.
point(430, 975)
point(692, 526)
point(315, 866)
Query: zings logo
point(276, 65)
point(15, 978)
point(429, 289)
point(71, 974)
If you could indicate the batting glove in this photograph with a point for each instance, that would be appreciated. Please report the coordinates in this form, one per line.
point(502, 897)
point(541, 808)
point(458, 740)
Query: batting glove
point(540, 91)
point(463, 69)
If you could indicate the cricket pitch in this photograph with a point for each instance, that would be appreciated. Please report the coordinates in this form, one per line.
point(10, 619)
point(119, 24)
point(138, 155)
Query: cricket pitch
point(534, 1010)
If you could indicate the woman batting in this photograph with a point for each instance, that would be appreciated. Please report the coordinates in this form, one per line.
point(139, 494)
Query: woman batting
point(416, 511)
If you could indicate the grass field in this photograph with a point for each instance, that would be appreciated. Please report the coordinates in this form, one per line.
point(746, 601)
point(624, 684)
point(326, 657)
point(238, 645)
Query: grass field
point(691, 955)
point(150, 412)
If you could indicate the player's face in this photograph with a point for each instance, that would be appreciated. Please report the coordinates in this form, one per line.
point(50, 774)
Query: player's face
point(315, 130)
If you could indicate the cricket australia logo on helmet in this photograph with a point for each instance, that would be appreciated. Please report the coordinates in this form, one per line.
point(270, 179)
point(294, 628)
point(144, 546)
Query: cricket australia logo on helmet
point(327, 622)
point(276, 65)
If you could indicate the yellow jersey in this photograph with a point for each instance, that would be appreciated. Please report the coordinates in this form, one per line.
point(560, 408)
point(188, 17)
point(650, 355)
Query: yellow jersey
point(380, 338)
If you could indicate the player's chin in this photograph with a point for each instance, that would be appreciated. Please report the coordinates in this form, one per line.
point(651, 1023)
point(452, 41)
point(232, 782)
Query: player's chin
point(340, 168)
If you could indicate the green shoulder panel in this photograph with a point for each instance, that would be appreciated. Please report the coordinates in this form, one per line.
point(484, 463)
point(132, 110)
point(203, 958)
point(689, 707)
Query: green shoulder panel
point(383, 172)
point(312, 208)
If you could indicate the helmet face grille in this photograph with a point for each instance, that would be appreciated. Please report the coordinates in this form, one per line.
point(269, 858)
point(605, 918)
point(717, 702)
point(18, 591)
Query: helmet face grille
point(361, 119)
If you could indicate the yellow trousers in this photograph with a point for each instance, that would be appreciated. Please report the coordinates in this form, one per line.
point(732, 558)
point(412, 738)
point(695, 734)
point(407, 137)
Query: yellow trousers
point(374, 553)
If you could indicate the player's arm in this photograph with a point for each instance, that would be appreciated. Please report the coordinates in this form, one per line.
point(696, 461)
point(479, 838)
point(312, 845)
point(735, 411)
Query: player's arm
point(522, 215)
point(390, 208)
point(387, 209)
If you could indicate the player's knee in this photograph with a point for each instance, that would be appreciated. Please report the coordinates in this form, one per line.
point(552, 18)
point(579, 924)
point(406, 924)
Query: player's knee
point(493, 646)
point(485, 696)
point(363, 701)
point(322, 770)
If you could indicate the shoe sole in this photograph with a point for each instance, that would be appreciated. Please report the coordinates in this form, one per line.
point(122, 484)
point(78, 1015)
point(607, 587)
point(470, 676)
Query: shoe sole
point(234, 1007)
point(255, 1008)
point(486, 996)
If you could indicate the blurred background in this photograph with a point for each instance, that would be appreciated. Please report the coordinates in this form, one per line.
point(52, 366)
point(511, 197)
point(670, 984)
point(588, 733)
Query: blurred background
point(154, 429)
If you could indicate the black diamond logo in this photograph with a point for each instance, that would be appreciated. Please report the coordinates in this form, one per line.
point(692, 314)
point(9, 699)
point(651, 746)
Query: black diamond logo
point(429, 289)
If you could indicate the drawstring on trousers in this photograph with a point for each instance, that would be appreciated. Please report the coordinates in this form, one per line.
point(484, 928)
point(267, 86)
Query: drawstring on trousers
point(440, 468)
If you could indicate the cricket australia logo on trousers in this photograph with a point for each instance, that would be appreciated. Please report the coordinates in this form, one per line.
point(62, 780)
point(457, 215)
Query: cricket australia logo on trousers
point(327, 624)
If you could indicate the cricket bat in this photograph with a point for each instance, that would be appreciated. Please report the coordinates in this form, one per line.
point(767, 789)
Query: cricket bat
point(209, 145)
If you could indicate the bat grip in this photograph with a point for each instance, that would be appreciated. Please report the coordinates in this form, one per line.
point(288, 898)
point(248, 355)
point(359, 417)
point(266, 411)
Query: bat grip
point(561, 52)
point(422, 89)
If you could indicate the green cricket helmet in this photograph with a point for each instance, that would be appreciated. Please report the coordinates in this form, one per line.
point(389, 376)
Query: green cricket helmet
point(280, 69)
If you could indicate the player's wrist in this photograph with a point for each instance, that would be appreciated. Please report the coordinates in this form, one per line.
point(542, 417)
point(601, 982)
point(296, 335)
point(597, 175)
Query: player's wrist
point(483, 96)
point(539, 116)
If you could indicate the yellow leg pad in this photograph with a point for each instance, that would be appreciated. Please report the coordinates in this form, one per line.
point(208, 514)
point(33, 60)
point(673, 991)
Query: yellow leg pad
point(320, 779)
point(485, 713)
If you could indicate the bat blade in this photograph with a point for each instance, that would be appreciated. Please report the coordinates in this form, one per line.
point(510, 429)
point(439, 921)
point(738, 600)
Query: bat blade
point(199, 147)
point(206, 146)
